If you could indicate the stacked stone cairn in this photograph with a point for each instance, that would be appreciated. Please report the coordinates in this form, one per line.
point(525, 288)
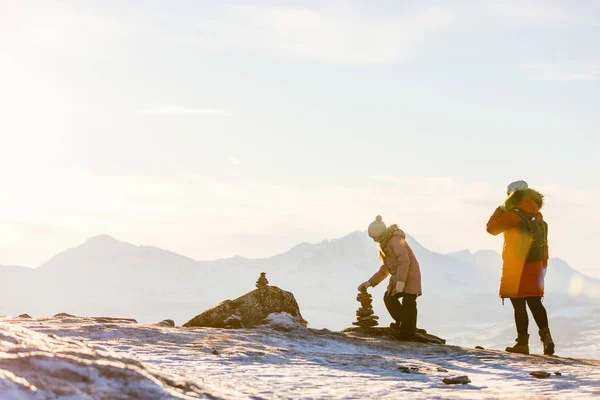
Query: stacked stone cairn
point(365, 315)
point(262, 281)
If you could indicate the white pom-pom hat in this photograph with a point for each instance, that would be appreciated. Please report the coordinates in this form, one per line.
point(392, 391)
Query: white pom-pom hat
point(517, 185)
point(377, 227)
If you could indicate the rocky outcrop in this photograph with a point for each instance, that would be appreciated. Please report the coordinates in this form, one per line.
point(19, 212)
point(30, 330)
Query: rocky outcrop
point(249, 310)
point(168, 323)
point(421, 336)
point(38, 366)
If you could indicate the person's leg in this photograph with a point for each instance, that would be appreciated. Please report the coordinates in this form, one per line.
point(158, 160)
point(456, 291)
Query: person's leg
point(541, 319)
point(539, 311)
point(521, 318)
point(409, 317)
point(394, 307)
point(522, 323)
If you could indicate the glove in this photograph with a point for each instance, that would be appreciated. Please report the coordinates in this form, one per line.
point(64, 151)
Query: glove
point(400, 287)
point(364, 285)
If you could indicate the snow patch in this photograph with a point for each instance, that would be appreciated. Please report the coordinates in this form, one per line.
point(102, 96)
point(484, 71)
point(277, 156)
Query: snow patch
point(283, 320)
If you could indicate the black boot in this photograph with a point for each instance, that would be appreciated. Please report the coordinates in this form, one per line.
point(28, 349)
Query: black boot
point(522, 345)
point(547, 341)
point(395, 325)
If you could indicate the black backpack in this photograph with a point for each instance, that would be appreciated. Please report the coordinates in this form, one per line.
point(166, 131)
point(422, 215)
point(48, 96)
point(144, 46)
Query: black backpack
point(538, 234)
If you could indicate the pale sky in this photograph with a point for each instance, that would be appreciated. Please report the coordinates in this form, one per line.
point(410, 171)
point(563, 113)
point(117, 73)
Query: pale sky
point(227, 128)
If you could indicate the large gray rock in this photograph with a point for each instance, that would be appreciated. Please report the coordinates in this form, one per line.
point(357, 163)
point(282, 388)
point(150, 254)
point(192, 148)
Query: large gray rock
point(251, 309)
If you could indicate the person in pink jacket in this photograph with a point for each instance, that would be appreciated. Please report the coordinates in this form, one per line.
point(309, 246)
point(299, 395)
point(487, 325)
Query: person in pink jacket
point(400, 263)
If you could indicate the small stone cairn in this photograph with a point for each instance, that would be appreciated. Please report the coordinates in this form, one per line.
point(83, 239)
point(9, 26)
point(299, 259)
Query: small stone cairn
point(365, 315)
point(262, 281)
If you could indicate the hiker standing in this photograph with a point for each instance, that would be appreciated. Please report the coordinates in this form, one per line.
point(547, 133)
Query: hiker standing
point(400, 262)
point(525, 259)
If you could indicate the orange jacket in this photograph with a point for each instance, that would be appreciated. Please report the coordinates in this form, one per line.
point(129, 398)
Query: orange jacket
point(519, 278)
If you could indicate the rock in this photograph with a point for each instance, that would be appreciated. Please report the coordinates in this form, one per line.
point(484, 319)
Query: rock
point(540, 374)
point(262, 281)
point(233, 322)
point(105, 320)
point(440, 369)
point(252, 309)
point(365, 316)
point(169, 323)
point(557, 374)
point(479, 348)
point(25, 316)
point(457, 380)
point(64, 315)
point(408, 370)
point(39, 366)
point(215, 352)
point(367, 331)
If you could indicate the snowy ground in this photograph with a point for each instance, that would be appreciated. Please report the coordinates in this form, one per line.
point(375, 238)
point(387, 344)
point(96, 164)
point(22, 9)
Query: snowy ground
point(299, 363)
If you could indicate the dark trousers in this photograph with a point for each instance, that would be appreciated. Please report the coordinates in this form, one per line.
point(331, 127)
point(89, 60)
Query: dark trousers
point(404, 313)
point(537, 309)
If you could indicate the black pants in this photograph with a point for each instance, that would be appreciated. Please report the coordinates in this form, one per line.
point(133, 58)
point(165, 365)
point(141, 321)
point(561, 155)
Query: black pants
point(537, 309)
point(404, 313)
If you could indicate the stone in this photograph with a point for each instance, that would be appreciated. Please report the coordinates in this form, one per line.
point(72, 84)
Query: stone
point(479, 348)
point(262, 281)
point(365, 315)
point(233, 322)
point(557, 373)
point(540, 374)
point(408, 370)
point(110, 320)
point(421, 336)
point(64, 315)
point(440, 369)
point(25, 316)
point(169, 323)
point(457, 380)
point(252, 309)
point(215, 352)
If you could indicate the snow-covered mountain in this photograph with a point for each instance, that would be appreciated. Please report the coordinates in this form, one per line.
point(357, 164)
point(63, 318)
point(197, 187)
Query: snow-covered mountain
point(104, 276)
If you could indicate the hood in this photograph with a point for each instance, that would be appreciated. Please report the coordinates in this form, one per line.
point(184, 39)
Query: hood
point(526, 200)
point(399, 232)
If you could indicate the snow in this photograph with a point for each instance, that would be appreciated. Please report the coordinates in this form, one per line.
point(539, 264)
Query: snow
point(38, 366)
point(273, 363)
point(283, 320)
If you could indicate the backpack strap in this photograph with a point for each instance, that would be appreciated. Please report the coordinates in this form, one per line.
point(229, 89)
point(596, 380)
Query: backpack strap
point(522, 215)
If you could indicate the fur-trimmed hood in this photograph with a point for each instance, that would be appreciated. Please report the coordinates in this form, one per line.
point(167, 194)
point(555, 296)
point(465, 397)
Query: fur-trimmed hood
point(527, 200)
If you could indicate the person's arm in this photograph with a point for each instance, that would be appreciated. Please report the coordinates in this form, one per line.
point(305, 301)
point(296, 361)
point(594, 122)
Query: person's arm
point(403, 260)
point(379, 276)
point(502, 220)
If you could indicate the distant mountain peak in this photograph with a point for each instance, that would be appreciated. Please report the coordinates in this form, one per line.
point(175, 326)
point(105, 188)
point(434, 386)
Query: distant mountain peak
point(101, 239)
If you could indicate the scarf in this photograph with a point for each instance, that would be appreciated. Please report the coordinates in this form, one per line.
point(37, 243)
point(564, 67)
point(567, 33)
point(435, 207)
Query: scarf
point(384, 240)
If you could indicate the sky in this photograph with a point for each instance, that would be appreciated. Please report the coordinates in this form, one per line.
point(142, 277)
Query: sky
point(215, 129)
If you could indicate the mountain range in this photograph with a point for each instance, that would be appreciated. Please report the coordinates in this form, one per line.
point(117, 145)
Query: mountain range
point(104, 276)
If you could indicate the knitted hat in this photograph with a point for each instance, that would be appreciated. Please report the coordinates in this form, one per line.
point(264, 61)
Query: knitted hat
point(377, 227)
point(518, 185)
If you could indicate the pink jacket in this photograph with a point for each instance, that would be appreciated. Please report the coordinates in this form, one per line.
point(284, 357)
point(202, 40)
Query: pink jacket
point(400, 262)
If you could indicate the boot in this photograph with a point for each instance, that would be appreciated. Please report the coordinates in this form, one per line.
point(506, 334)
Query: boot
point(522, 345)
point(395, 325)
point(547, 341)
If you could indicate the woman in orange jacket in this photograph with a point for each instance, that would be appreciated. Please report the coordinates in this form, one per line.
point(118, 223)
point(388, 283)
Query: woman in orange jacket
point(525, 259)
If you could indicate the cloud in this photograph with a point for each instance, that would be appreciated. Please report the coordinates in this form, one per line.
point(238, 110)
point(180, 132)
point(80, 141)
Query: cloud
point(564, 71)
point(183, 111)
point(541, 12)
point(331, 37)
